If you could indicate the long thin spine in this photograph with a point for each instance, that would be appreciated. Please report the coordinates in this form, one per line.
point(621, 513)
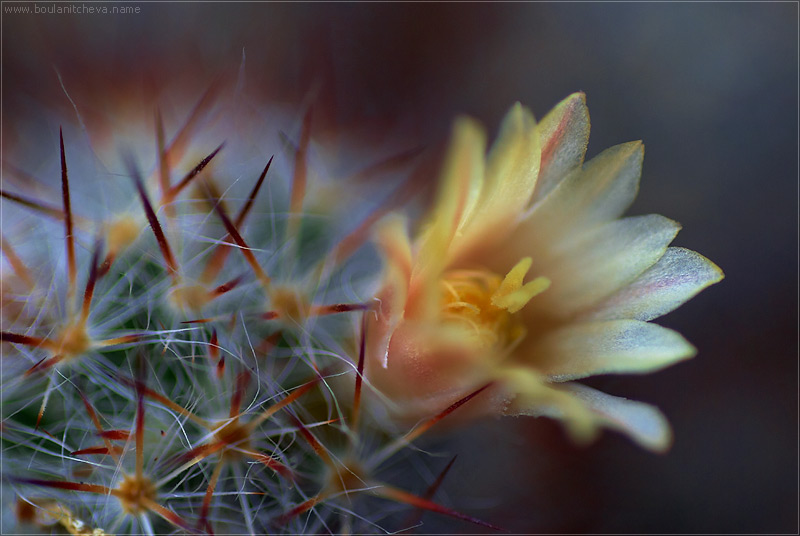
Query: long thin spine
point(139, 433)
point(163, 165)
point(38, 206)
point(22, 271)
point(359, 373)
point(212, 484)
point(245, 249)
point(417, 431)
point(175, 190)
point(69, 237)
point(399, 495)
point(163, 244)
point(90, 284)
point(299, 178)
point(217, 259)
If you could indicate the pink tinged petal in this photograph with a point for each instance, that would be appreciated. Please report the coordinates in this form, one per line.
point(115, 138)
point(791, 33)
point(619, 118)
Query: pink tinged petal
point(391, 237)
point(599, 262)
point(643, 423)
point(461, 181)
point(678, 276)
point(610, 347)
point(599, 192)
point(393, 243)
point(564, 134)
point(512, 167)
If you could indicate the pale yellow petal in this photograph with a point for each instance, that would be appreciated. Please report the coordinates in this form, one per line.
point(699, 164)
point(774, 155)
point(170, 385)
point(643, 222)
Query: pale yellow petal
point(461, 183)
point(534, 397)
point(643, 423)
point(564, 135)
point(511, 171)
point(609, 347)
point(597, 263)
point(599, 192)
point(675, 278)
point(461, 180)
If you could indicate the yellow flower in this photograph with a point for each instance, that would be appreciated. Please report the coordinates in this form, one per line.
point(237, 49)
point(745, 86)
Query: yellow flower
point(526, 276)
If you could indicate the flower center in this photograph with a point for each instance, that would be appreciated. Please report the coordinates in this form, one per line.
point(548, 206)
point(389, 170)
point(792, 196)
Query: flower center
point(486, 303)
point(467, 301)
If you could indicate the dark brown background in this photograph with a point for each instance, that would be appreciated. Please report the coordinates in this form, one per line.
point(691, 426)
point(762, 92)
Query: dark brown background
point(712, 91)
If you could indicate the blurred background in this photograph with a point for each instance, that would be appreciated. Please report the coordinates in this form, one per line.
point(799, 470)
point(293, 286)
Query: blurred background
point(712, 90)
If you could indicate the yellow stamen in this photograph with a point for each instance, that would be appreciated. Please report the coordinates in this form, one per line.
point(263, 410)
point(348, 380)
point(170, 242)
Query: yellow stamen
point(512, 295)
point(485, 303)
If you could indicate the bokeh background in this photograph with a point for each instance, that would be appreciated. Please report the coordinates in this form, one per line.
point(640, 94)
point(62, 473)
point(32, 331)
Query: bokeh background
point(712, 90)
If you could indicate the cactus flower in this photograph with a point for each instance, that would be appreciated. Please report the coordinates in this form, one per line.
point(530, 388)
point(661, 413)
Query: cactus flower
point(525, 276)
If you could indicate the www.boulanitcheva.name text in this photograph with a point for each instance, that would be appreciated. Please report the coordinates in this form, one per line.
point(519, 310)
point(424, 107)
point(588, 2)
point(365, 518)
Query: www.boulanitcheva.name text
point(82, 9)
